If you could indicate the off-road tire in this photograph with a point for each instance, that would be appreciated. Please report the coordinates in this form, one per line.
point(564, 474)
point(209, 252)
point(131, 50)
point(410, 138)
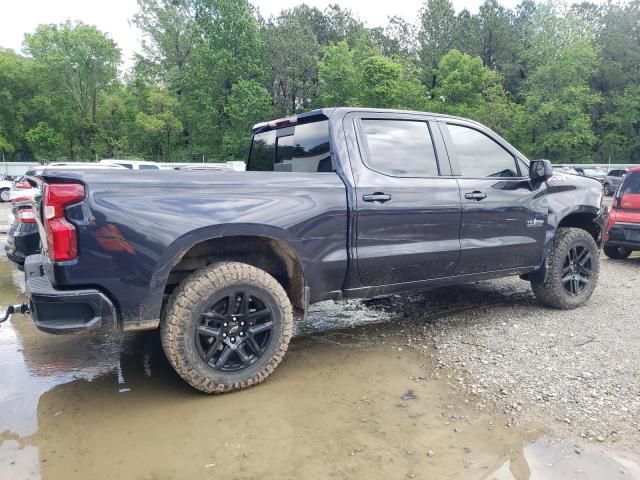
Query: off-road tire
point(616, 253)
point(185, 307)
point(552, 292)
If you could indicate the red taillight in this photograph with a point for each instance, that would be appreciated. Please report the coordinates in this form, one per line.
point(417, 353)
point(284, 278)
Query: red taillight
point(25, 215)
point(23, 184)
point(62, 241)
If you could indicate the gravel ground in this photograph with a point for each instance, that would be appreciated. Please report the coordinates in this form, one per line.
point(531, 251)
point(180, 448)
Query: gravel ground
point(575, 371)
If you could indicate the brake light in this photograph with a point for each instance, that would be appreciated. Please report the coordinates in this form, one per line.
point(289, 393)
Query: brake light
point(281, 122)
point(62, 240)
point(25, 215)
point(22, 184)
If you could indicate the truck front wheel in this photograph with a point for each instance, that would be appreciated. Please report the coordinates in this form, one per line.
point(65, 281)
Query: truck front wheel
point(226, 327)
point(572, 270)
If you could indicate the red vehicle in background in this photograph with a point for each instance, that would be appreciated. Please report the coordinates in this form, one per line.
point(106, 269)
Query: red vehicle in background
point(623, 231)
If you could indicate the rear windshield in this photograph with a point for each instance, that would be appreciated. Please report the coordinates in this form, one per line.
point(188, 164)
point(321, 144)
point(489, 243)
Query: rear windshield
point(299, 148)
point(631, 184)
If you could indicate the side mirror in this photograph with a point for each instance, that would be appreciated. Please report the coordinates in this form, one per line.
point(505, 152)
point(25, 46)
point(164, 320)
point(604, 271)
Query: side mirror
point(540, 170)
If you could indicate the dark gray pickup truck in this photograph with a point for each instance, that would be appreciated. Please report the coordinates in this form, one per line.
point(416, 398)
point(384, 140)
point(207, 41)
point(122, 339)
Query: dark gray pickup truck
point(336, 203)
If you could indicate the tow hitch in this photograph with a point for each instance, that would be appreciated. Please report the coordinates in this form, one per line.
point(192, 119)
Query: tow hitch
point(11, 309)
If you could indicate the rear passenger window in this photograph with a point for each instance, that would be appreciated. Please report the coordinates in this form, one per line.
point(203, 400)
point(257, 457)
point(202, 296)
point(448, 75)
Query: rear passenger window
point(302, 148)
point(480, 156)
point(631, 184)
point(401, 148)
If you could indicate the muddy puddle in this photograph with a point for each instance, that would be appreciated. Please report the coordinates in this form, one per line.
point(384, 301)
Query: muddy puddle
point(346, 403)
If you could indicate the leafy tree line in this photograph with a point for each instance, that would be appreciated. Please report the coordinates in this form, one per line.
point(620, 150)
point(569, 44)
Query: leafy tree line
point(559, 82)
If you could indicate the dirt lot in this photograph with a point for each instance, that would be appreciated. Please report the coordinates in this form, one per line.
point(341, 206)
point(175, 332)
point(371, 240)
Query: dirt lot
point(467, 382)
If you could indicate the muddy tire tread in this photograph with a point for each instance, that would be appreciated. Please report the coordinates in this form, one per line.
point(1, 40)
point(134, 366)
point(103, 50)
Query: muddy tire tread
point(183, 302)
point(551, 293)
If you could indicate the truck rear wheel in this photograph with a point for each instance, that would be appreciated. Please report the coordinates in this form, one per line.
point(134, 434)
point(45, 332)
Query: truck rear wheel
point(573, 266)
point(227, 327)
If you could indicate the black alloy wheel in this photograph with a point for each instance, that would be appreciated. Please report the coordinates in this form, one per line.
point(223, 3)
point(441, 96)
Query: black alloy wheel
point(577, 269)
point(235, 331)
point(226, 327)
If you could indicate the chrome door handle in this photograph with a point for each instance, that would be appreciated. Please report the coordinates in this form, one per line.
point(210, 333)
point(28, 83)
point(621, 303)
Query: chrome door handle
point(376, 197)
point(477, 195)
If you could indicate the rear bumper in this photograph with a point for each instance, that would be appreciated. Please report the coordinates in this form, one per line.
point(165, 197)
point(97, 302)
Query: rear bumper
point(626, 235)
point(65, 311)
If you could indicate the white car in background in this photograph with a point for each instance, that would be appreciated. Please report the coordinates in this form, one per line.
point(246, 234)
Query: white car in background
point(5, 188)
point(131, 164)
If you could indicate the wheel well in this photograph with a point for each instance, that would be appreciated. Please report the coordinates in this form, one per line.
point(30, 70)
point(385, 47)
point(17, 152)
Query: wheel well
point(271, 255)
point(582, 220)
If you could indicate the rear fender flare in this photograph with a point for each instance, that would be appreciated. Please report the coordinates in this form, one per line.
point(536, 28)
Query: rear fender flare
point(179, 247)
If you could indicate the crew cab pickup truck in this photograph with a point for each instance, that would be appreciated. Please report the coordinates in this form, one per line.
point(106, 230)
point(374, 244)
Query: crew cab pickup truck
point(335, 203)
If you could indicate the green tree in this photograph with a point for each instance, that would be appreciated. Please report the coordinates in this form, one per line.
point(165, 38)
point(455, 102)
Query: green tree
point(5, 146)
point(170, 36)
point(44, 141)
point(437, 36)
point(77, 62)
point(115, 120)
point(159, 123)
point(379, 82)
point(622, 122)
point(229, 49)
point(249, 103)
point(461, 79)
point(18, 85)
point(397, 38)
point(293, 51)
point(337, 82)
point(559, 98)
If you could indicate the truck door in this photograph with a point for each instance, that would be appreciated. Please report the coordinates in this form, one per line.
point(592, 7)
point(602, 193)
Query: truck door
point(407, 201)
point(504, 221)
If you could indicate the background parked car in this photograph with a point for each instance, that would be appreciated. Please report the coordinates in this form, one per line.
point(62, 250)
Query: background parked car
point(23, 237)
point(613, 180)
point(5, 188)
point(596, 173)
point(131, 164)
point(569, 170)
point(623, 231)
point(21, 190)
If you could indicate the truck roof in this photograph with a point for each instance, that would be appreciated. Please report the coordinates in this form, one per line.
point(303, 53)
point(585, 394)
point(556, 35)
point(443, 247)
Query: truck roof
point(325, 113)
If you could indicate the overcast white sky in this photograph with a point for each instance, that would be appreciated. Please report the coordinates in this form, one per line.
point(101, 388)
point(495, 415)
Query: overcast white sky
point(18, 17)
